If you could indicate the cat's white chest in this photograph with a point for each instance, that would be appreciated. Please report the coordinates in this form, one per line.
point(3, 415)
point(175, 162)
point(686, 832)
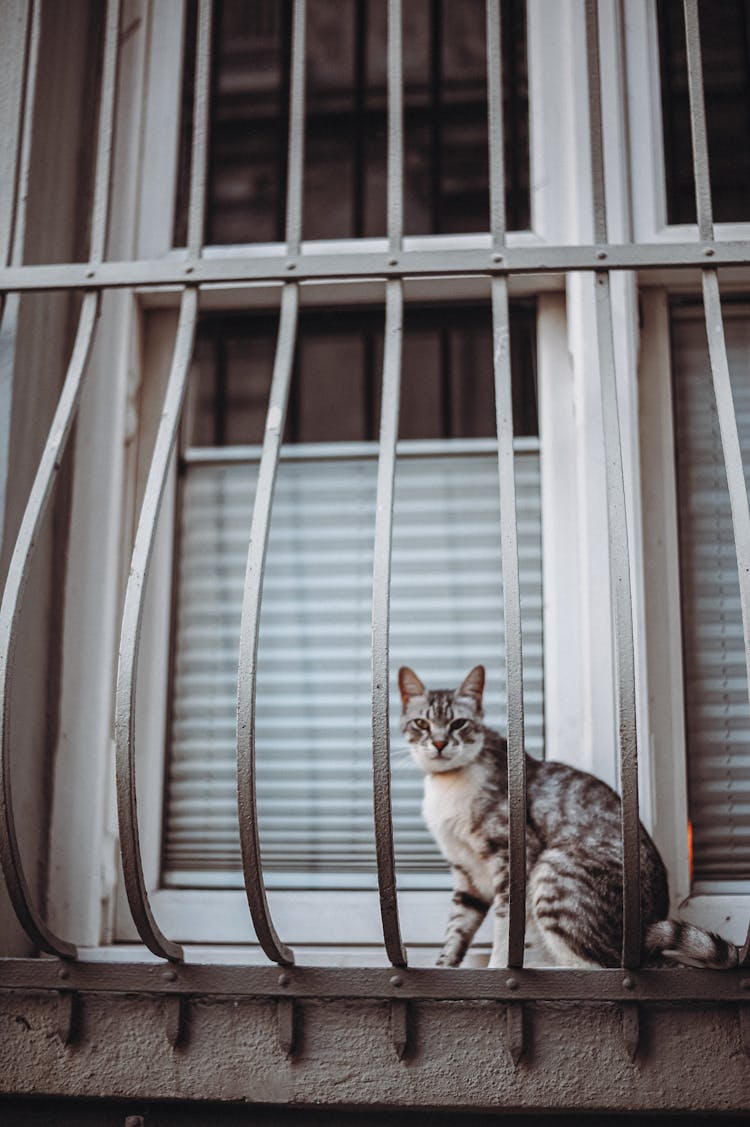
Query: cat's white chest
point(448, 811)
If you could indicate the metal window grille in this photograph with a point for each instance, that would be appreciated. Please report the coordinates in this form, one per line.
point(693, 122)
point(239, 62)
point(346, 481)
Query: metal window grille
point(193, 271)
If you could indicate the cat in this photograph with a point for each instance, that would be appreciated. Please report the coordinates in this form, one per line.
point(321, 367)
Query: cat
point(573, 843)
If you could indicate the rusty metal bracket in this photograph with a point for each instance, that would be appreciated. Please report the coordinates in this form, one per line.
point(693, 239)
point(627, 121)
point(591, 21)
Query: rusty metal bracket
point(400, 1027)
point(515, 1025)
point(287, 1025)
point(631, 1028)
point(177, 1019)
point(68, 1013)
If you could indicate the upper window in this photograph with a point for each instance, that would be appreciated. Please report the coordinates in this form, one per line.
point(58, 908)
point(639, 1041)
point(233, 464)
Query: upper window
point(446, 182)
point(725, 46)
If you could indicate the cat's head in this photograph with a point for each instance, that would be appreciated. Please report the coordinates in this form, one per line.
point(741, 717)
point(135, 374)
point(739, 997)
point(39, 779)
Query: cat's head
point(442, 726)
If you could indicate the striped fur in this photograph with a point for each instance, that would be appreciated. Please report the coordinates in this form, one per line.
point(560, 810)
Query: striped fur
point(573, 843)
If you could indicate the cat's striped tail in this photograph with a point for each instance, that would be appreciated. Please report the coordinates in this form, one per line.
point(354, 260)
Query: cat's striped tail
point(691, 945)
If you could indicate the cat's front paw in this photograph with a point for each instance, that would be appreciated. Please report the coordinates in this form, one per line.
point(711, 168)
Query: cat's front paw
point(444, 959)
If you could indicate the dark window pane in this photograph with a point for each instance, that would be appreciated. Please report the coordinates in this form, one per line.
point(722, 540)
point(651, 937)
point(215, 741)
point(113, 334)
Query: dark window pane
point(725, 42)
point(447, 384)
point(446, 185)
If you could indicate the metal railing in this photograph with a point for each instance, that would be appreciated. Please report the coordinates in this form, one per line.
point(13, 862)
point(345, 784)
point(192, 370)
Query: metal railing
point(290, 267)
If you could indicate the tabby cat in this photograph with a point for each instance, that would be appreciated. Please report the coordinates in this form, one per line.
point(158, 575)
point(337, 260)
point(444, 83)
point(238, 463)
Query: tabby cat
point(573, 844)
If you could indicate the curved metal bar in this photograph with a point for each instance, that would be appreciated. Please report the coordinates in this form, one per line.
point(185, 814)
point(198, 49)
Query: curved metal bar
point(105, 134)
point(18, 573)
point(51, 459)
point(252, 864)
point(619, 550)
point(125, 699)
point(381, 592)
point(201, 126)
point(717, 349)
point(508, 523)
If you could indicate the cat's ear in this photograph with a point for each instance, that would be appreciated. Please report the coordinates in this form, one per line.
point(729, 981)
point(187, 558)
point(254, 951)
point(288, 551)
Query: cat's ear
point(409, 684)
point(473, 685)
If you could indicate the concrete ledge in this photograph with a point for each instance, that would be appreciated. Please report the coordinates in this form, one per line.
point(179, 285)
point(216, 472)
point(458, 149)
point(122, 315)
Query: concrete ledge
point(576, 1057)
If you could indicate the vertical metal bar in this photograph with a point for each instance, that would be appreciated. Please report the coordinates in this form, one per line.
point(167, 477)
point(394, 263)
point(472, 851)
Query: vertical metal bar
point(201, 122)
point(125, 698)
point(395, 129)
point(698, 132)
point(359, 120)
point(296, 158)
point(12, 236)
point(381, 576)
point(495, 124)
point(508, 525)
point(44, 480)
point(717, 349)
point(436, 115)
point(105, 135)
point(381, 584)
point(618, 533)
point(249, 629)
point(252, 865)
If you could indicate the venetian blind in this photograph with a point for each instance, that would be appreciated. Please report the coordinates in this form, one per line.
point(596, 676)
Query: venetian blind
point(716, 690)
point(313, 690)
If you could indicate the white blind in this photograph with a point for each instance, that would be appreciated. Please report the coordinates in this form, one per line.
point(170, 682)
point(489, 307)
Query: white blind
point(313, 699)
point(716, 700)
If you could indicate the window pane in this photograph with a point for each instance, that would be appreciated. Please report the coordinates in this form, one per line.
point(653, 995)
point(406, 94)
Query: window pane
point(725, 41)
point(448, 383)
point(716, 701)
point(445, 116)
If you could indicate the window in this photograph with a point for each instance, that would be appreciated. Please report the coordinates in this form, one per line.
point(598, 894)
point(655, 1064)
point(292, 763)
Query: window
point(445, 119)
point(716, 699)
point(328, 451)
point(314, 661)
point(726, 75)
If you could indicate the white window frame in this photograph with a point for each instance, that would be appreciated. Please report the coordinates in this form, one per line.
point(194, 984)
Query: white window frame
point(711, 905)
point(579, 675)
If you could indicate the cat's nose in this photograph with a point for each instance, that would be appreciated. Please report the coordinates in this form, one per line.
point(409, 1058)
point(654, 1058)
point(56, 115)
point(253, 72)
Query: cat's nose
point(439, 744)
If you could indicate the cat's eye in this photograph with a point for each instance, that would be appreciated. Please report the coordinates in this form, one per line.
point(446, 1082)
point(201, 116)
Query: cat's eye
point(420, 723)
point(457, 725)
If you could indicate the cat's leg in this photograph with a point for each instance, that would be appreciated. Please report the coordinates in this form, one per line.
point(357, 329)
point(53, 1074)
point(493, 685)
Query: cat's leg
point(499, 955)
point(467, 912)
point(572, 910)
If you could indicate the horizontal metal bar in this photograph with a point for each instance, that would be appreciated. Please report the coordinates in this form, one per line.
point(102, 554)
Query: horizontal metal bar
point(434, 983)
point(147, 273)
point(335, 452)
